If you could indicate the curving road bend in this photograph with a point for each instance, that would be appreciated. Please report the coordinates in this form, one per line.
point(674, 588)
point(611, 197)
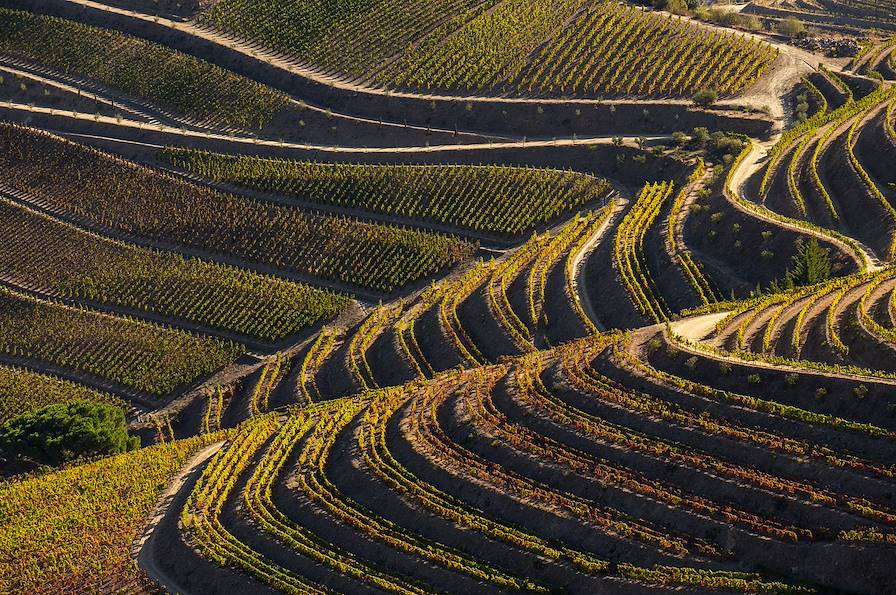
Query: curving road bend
point(147, 548)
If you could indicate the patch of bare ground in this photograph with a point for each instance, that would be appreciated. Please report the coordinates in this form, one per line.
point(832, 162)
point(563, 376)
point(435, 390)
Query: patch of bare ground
point(866, 349)
point(885, 68)
point(288, 392)
point(782, 337)
point(754, 332)
point(816, 346)
point(859, 85)
point(435, 344)
point(817, 208)
point(832, 93)
point(188, 421)
point(727, 337)
point(227, 376)
point(877, 306)
point(778, 196)
point(387, 361)
point(334, 378)
point(518, 294)
point(670, 281)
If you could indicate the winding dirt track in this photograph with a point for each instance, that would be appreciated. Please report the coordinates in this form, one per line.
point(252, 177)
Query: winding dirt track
point(580, 285)
point(146, 548)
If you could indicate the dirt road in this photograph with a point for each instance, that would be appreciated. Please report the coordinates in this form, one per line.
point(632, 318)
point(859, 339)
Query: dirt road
point(145, 546)
point(698, 328)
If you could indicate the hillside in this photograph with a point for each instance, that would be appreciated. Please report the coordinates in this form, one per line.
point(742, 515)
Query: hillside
point(463, 296)
point(523, 47)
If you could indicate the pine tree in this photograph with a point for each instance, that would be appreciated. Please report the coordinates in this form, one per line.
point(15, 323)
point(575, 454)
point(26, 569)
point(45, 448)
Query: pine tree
point(810, 265)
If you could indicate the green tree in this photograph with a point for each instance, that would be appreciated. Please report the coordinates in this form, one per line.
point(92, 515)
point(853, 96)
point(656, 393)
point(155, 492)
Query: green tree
point(700, 135)
point(810, 265)
point(62, 432)
point(705, 97)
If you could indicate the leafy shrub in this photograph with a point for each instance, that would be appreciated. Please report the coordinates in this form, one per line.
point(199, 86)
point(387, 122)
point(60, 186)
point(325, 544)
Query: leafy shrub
point(62, 432)
point(700, 135)
point(705, 97)
point(791, 27)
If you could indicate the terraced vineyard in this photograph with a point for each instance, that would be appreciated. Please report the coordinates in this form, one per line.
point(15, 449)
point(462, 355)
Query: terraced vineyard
point(76, 265)
point(90, 498)
point(128, 352)
point(873, 13)
point(851, 141)
point(136, 67)
point(135, 201)
point(459, 196)
point(22, 391)
point(815, 326)
point(464, 296)
point(526, 47)
point(417, 445)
